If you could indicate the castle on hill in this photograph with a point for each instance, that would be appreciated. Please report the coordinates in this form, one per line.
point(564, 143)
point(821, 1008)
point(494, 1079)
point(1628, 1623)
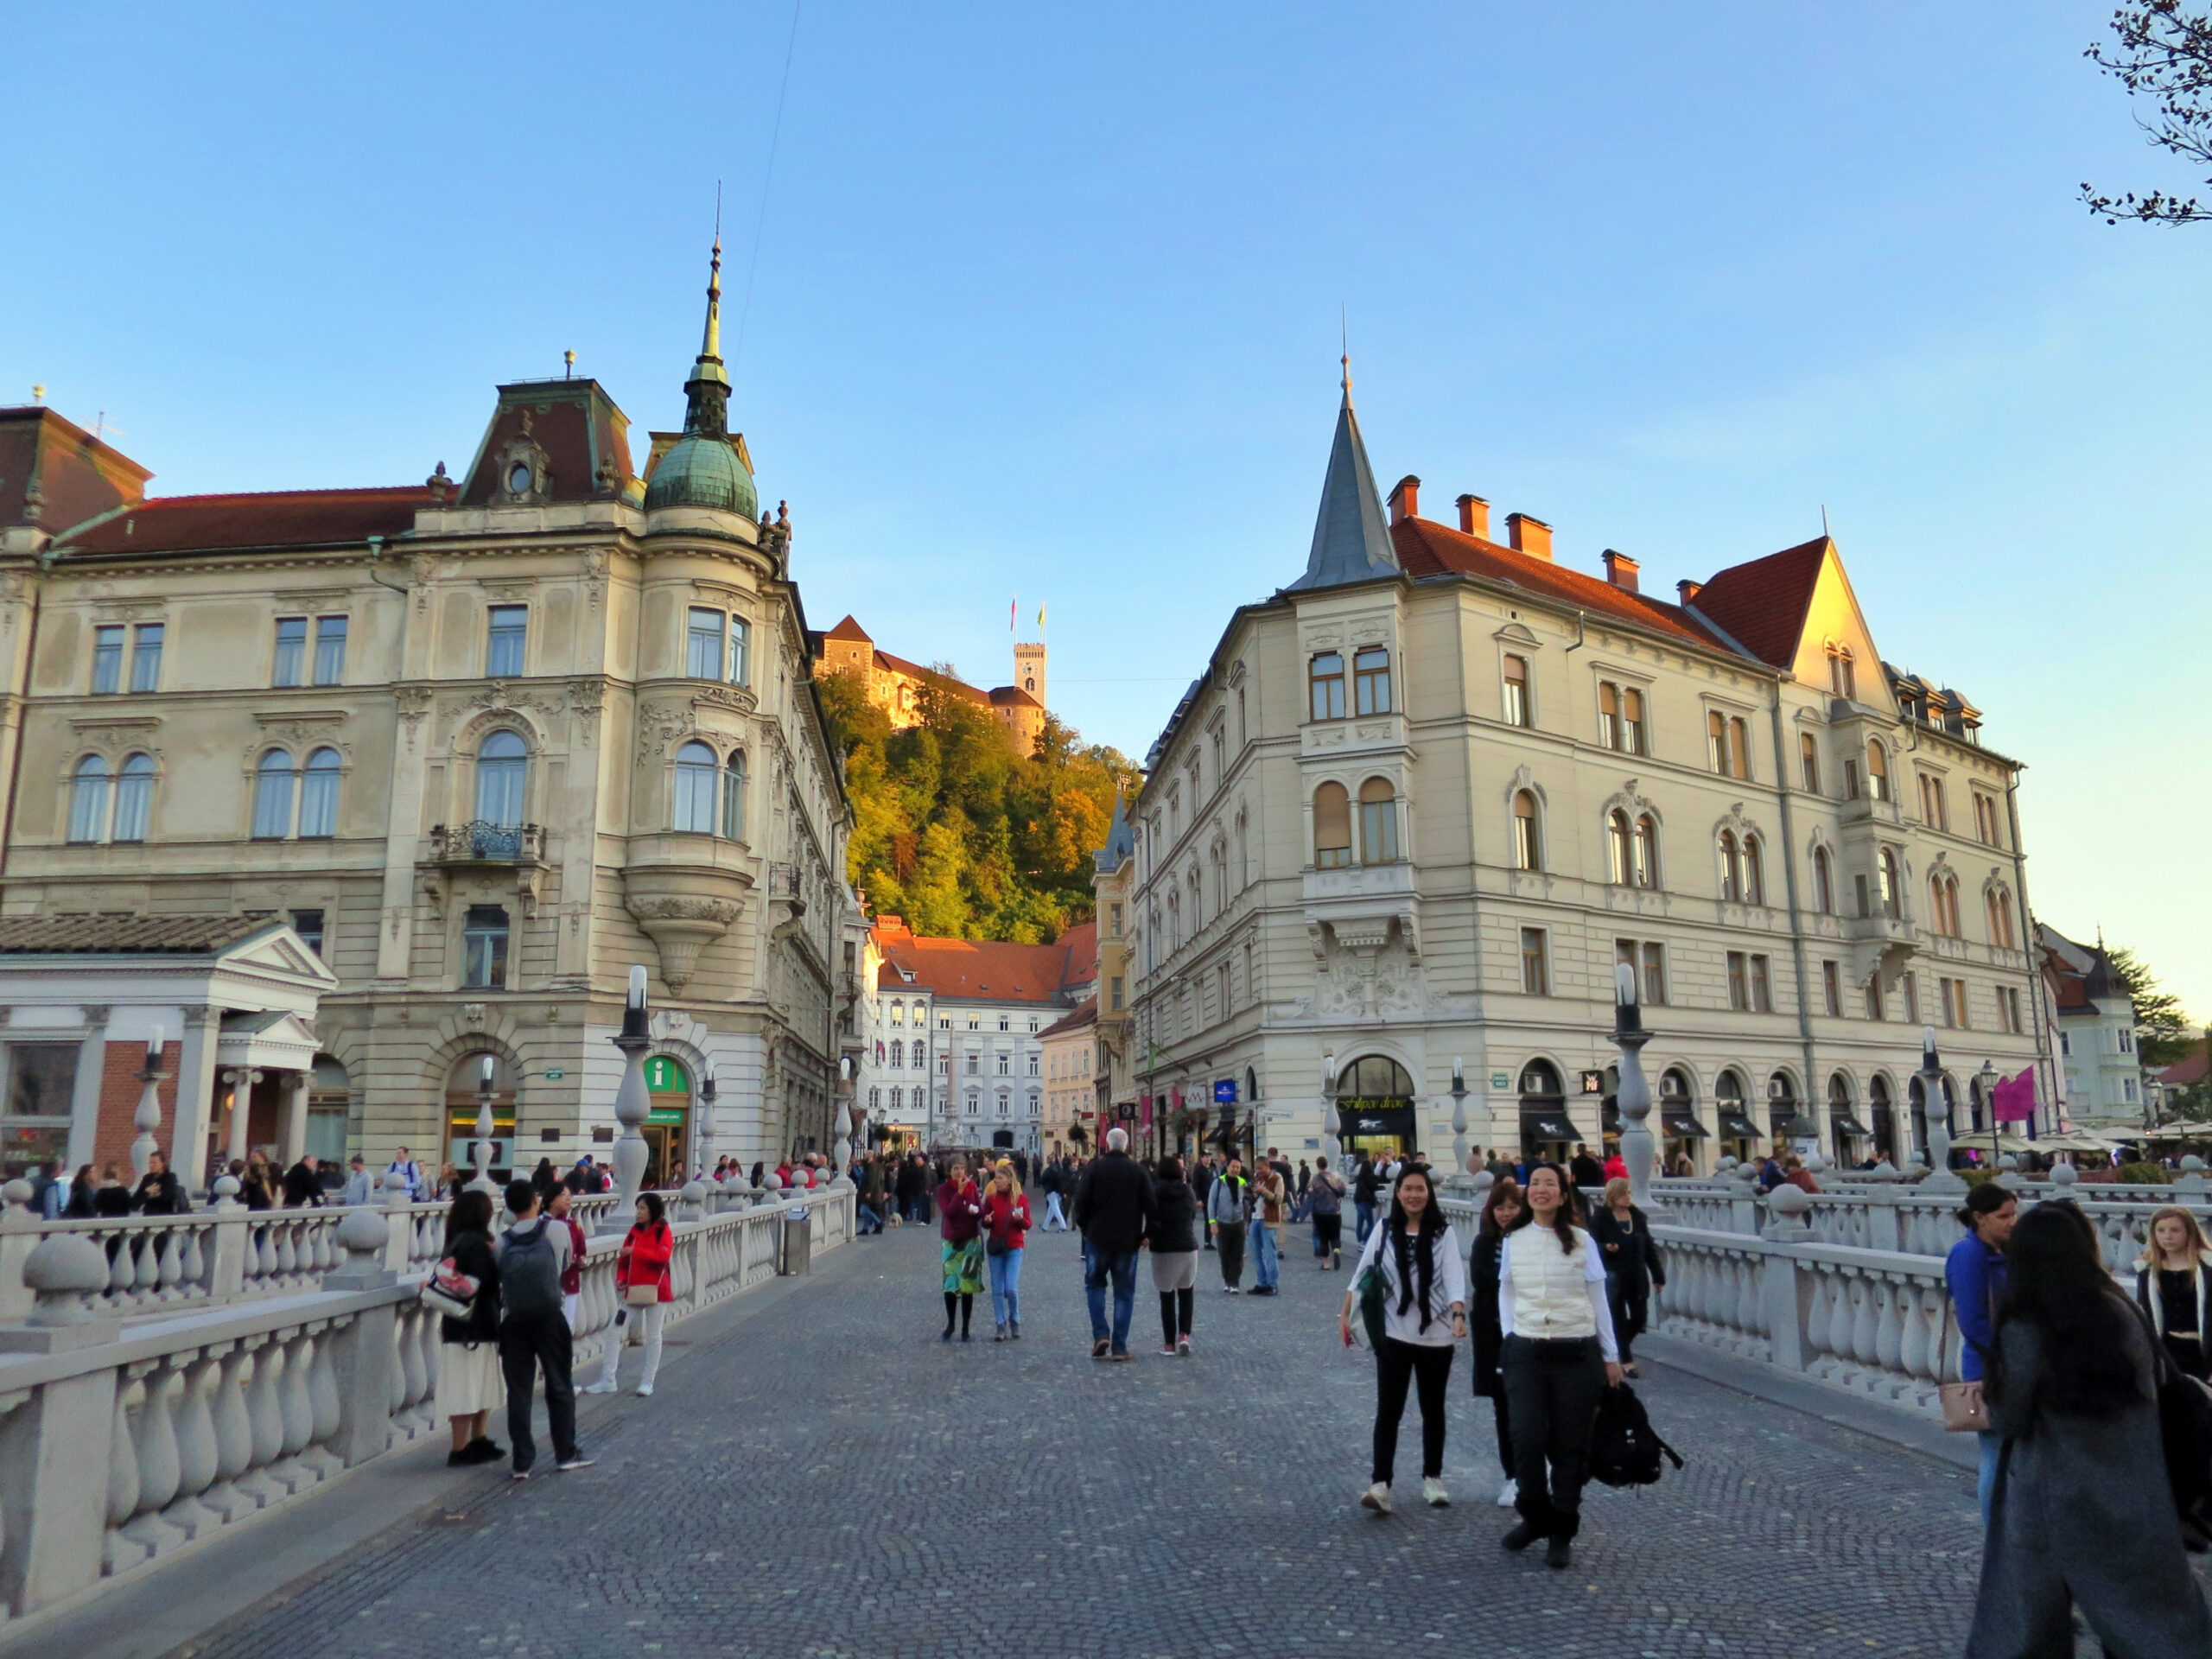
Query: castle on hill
point(894, 684)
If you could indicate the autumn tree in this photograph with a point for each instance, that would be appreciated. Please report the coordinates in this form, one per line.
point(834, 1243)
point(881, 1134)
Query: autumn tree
point(2161, 52)
point(2163, 1033)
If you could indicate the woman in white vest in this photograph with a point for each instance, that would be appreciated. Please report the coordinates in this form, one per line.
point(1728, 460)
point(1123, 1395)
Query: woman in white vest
point(1560, 1357)
point(1424, 1316)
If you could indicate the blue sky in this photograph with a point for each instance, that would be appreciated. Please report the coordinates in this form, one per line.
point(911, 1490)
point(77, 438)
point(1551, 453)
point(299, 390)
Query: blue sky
point(1047, 304)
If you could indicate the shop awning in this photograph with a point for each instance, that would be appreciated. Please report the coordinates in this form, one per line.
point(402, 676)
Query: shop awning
point(1685, 1124)
point(1801, 1128)
point(1549, 1125)
point(1737, 1127)
point(1847, 1124)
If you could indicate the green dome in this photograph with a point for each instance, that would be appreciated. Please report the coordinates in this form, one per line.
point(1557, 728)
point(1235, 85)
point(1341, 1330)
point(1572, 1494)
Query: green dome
point(702, 472)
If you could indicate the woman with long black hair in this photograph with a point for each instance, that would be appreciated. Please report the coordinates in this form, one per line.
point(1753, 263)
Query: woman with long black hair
point(2082, 1511)
point(1424, 1316)
point(1501, 1211)
point(470, 1384)
point(1560, 1358)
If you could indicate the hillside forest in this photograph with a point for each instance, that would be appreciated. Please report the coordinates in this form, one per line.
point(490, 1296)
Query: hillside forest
point(960, 834)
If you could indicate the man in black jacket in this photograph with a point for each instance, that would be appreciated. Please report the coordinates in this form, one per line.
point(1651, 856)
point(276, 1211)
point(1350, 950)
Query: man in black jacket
point(1113, 1203)
point(302, 1184)
point(160, 1193)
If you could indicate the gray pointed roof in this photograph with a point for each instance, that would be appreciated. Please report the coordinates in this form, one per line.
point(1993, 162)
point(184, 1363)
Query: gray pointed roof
point(1120, 844)
point(1351, 540)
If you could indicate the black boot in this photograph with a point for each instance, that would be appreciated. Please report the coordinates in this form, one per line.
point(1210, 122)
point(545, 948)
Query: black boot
point(1522, 1536)
point(1561, 1556)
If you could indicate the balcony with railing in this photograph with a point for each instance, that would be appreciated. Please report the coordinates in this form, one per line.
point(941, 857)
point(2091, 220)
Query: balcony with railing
point(480, 842)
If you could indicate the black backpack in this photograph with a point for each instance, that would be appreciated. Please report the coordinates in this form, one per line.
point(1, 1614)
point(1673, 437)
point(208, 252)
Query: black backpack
point(1624, 1449)
point(529, 1272)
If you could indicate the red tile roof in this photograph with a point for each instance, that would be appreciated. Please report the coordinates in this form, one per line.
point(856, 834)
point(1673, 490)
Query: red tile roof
point(2189, 1069)
point(989, 971)
point(1762, 604)
point(1085, 1014)
point(1427, 549)
point(850, 629)
point(199, 524)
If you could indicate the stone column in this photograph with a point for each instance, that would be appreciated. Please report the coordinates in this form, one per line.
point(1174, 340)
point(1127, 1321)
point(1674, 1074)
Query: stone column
point(241, 1087)
point(195, 1097)
point(295, 1118)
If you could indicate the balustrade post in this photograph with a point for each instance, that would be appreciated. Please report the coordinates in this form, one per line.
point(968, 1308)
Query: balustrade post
point(1785, 1298)
point(21, 1229)
point(399, 1223)
point(54, 1490)
point(231, 1243)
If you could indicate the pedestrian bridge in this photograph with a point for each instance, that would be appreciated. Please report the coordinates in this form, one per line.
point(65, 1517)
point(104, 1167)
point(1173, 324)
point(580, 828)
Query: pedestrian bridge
point(818, 1474)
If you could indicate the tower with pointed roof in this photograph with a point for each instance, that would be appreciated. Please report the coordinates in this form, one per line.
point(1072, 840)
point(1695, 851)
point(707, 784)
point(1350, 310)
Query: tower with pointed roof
point(705, 466)
point(1352, 542)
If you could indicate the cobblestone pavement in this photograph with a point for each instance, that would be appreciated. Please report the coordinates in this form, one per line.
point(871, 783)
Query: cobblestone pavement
point(830, 1479)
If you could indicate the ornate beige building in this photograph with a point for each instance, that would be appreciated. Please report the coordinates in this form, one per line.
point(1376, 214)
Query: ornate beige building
point(1424, 800)
point(484, 742)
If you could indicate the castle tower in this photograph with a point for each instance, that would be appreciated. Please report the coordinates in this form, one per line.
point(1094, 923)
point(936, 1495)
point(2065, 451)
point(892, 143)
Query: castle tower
point(1029, 670)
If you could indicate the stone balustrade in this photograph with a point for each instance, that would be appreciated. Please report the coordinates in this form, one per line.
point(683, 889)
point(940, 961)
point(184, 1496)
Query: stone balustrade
point(133, 1428)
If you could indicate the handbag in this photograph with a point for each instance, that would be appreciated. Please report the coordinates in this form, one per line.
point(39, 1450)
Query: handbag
point(645, 1295)
point(996, 1246)
point(1373, 1297)
point(450, 1291)
point(1964, 1410)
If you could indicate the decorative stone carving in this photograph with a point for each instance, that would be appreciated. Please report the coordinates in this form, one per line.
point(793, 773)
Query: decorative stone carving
point(681, 925)
point(1367, 970)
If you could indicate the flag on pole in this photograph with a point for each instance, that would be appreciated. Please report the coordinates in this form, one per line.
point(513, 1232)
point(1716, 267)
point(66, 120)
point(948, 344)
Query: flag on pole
point(2013, 1101)
point(1012, 611)
point(1041, 618)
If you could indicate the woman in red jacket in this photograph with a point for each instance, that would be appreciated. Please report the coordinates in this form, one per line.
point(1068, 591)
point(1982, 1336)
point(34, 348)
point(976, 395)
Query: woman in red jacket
point(960, 1209)
point(641, 1274)
point(1006, 1227)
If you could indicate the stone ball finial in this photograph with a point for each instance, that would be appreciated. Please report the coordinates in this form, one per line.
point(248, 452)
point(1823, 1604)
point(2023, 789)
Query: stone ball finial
point(17, 1195)
point(2063, 1176)
point(364, 1232)
point(1482, 1182)
point(395, 1182)
point(1814, 1161)
point(772, 1181)
point(2192, 1165)
point(694, 1191)
point(64, 1270)
point(226, 1190)
point(1787, 1203)
point(2008, 1160)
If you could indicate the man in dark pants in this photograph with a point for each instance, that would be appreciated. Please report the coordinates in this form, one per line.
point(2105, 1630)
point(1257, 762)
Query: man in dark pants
point(533, 1254)
point(1113, 1203)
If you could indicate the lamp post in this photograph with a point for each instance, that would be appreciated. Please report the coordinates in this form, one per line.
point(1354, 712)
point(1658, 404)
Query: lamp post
point(844, 1127)
point(1633, 1093)
point(631, 1106)
point(1331, 1125)
point(1461, 1175)
point(707, 1092)
point(1987, 1078)
point(148, 1116)
point(1937, 1106)
point(480, 1148)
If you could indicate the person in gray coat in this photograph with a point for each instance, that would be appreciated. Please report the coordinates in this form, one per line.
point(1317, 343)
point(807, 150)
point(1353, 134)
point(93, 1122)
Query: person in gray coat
point(2082, 1512)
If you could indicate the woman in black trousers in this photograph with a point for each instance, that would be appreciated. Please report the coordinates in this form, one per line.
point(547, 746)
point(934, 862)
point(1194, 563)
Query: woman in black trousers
point(1560, 1359)
point(1501, 1210)
point(1632, 1266)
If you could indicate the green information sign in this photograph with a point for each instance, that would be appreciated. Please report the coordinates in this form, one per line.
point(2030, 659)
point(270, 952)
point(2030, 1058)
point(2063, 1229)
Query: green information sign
point(1501, 1081)
point(554, 1074)
point(665, 1114)
point(664, 1075)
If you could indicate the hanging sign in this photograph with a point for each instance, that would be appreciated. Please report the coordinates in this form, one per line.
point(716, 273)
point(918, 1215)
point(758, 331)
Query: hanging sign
point(1224, 1092)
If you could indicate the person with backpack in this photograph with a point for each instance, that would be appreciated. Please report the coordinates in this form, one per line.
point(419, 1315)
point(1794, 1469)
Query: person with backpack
point(1225, 1208)
point(533, 1256)
point(1415, 1255)
point(1325, 1199)
point(641, 1273)
point(1560, 1357)
point(468, 1383)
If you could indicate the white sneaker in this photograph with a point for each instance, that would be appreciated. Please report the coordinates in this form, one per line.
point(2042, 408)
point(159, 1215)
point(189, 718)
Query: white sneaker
point(1508, 1494)
point(1432, 1494)
point(599, 1388)
point(1376, 1497)
point(644, 1390)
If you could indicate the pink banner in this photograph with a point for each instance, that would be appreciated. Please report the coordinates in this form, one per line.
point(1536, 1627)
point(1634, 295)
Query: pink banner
point(2013, 1100)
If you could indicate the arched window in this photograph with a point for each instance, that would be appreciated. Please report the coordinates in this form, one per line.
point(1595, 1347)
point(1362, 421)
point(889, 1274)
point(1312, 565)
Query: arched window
point(734, 795)
point(88, 789)
point(1824, 881)
point(1378, 823)
point(1877, 770)
point(318, 796)
point(272, 797)
point(696, 770)
point(502, 768)
point(1647, 851)
point(1939, 909)
point(1220, 878)
point(1732, 869)
point(1754, 871)
point(1331, 827)
point(1528, 834)
point(1620, 848)
point(2000, 908)
point(134, 797)
point(1808, 761)
point(1892, 889)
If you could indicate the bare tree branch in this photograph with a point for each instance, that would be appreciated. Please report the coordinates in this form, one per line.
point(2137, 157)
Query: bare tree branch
point(2164, 53)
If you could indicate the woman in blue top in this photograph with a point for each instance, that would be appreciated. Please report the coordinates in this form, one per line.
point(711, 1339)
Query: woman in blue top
point(1975, 1274)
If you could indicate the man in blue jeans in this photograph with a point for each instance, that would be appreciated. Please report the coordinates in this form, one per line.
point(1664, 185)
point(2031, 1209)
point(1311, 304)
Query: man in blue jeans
point(1268, 1207)
point(1113, 1204)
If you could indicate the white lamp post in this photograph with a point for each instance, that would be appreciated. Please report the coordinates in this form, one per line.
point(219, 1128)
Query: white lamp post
point(1332, 1124)
point(631, 1106)
point(486, 1127)
point(148, 1116)
point(1633, 1094)
point(1461, 1173)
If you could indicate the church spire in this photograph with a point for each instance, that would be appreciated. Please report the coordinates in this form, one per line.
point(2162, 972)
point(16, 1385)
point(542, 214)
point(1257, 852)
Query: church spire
point(707, 410)
point(1351, 539)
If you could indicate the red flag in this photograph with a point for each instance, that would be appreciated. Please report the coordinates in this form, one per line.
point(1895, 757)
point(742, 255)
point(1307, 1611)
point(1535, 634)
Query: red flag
point(2013, 1100)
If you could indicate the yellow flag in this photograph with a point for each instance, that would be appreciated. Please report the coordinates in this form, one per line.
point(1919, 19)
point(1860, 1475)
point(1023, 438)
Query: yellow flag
point(1040, 616)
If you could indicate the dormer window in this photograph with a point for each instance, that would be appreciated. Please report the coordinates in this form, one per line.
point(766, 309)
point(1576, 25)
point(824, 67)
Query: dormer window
point(519, 478)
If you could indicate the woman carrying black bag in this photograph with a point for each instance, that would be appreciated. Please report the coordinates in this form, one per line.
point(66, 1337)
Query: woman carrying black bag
point(470, 1385)
point(1424, 1295)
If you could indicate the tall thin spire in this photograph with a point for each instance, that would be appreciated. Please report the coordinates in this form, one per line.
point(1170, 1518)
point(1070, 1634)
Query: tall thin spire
point(712, 344)
point(1343, 331)
point(707, 410)
point(1351, 538)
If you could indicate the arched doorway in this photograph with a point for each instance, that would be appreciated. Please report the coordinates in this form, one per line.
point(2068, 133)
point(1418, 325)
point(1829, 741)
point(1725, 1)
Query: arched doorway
point(1739, 1136)
point(464, 1091)
point(668, 1119)
point(1375, 1107)
point(1916, 1100)
point(1884, 1113)
point(1545, 1129)
point(1678, 1120)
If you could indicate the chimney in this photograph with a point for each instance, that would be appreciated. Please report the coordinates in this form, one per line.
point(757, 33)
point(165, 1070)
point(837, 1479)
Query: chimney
point(1474, 516)
point(1620, 571)
point(1690, 590)
point(1529, 536)
point(1404, 500)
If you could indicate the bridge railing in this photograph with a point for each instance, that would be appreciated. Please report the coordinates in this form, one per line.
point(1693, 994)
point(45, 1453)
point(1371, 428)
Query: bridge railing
point(130, 1431)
